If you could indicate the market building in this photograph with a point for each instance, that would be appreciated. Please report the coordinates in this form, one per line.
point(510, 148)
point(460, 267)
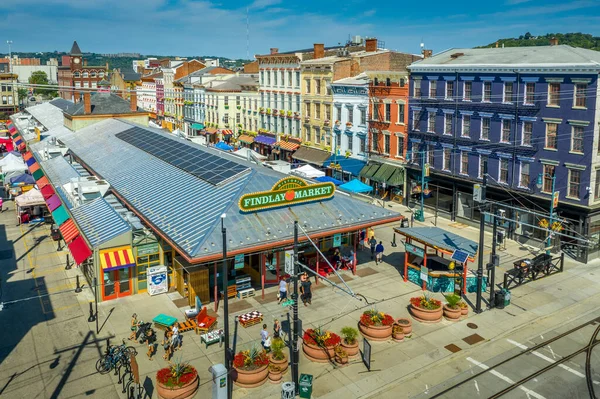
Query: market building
point(121, 224)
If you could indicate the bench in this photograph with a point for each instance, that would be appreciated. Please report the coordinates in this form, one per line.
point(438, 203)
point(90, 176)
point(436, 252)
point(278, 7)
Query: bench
point(212, 337)
point(247, 293)
point(204, 322)
point(164, 321)
point(250, 318)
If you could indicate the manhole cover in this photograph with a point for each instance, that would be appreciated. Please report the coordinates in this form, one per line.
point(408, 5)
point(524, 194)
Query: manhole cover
point(453, 348)
point(473, 339)
point(472, 325)
point(6, 254)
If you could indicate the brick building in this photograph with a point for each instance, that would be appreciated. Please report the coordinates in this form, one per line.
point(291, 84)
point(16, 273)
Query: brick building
point(76, 76)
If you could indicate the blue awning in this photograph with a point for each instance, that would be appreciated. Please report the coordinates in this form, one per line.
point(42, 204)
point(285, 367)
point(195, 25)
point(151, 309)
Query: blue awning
point(197, 126)
point(350, 165)
point(356, 186)
point(327, 179)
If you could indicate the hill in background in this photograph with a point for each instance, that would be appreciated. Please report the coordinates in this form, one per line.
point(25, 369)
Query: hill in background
point(582, 40)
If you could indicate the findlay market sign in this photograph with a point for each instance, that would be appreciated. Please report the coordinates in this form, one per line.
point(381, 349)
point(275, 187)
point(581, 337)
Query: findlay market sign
point(286, 192)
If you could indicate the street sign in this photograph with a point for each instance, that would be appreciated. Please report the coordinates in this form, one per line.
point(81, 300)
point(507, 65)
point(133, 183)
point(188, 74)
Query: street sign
point(414, 250)
point(426, 170)
point(289, 262)
point(555, 199)
point(460, 256)
point(424, 273)
point(477, 192)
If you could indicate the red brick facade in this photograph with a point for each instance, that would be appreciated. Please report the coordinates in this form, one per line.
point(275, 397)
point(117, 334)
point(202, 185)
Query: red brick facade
point(76, 77)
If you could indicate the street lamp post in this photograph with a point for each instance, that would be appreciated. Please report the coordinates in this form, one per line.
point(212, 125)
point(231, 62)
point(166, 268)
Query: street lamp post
point(553, 200)
point(226, 309)
point(9, 42)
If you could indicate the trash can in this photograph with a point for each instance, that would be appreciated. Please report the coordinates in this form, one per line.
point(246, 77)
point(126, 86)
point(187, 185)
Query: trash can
point(287, 390)
point(305, 385)
point(506, 297)
point(499, 299)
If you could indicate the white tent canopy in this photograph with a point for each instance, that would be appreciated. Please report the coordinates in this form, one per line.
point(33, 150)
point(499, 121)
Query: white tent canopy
point(9, 158)
point(13, 165)
point(243, 152)
point(308, 171)
point(30, 198)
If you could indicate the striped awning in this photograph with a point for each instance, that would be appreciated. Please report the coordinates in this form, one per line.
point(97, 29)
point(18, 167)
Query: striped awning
point(42, 182)
point(227, 132)
point(287, 145)
point(119, 258)
point(27, 156)
point(29, 161)
point(80, 250)
point(246, 139)
point(47, 191)
point(38, 174)
point(34, 168)
point(18, 141)
point(53, 202)
point(60, 215)
point(69, 231)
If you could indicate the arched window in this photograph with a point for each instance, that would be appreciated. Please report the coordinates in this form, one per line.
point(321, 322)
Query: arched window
point(85, 74)
point(75, 74)
point(93, 74)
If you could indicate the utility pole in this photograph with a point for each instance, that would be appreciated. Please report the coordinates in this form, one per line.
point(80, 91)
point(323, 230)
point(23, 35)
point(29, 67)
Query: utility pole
point(481, 239)
point(493, 256)
point(226, 309)
point(9, 42)
point(295, 353)
point(424, 173)
point(551, 219)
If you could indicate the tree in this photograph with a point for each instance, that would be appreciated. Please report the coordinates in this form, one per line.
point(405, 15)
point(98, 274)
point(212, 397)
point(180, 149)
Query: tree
point(22, 93)
point(40, 78)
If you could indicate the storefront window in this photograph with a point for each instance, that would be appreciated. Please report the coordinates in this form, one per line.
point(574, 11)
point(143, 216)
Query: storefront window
point(143, 263)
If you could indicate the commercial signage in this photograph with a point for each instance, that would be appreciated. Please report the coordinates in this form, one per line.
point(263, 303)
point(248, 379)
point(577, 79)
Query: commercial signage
point(289, 262)
point(147, 249)
point(424, 273)
point(414, 250)
point(555, 199)
point(286, 192)
point(239, 261)
point(477, 192)
point(337, 240)
point(426, 170)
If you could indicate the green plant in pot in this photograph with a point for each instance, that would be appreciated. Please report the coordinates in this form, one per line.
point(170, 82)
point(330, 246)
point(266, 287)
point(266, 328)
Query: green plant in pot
point(277, 356)
point(350, 340)
point(452, 308)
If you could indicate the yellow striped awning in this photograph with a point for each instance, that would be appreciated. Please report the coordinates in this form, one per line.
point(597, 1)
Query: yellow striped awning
point(117, 258)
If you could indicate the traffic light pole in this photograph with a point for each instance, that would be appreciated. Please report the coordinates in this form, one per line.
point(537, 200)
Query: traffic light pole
point(481, 240)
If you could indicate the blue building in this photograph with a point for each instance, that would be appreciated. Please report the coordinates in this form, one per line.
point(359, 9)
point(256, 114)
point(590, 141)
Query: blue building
point(528, 113)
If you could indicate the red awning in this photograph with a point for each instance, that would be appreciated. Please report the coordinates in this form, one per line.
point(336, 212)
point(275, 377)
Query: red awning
point(80, 250)
point(226, 131)
point(68, 230)
point(47, 191)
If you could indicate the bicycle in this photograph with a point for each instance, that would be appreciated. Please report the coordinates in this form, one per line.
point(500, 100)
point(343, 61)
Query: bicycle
point(113, 356)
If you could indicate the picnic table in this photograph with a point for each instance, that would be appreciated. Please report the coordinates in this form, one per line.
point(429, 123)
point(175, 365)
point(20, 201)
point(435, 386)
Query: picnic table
point(164, 321)
point(211, 337)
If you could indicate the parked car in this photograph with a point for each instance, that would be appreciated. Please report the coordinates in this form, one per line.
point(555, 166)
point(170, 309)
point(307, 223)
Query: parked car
point(32, 99)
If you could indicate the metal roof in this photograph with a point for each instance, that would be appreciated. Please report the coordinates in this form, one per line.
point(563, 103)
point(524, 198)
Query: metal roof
point(440, 238)
point(103, 104)
point(61, 103)
point(187, 210)
point(47, 114)
point(99, 222)
point(58, 169)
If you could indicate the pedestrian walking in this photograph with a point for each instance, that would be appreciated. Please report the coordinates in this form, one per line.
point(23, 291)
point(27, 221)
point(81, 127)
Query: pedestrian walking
point(306, 290)
point(134, 326)
point(373, 243)
point(265, 338)
point(175, 343)
point(378, 252)
point(276, 329)
point(282, 290)
point(166, 343)
point(151, 341)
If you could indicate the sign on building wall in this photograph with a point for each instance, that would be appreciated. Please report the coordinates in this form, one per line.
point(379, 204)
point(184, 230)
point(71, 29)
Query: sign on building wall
point(414, 250)
point(337, 240)
point(147, 249)
point(239, 261)
point(286, 192)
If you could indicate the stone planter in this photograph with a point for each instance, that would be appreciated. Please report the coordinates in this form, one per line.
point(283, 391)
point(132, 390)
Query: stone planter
point(282, 364)
point(351, 350)
point(318, 354)
point(375, 333)
point(406, 325)
point(251, 378)
point(451, 314)
point(186, 391)
point(426, 315)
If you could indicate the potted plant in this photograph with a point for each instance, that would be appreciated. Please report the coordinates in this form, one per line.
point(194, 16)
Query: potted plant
point(406, 325)
point(341, 357)
point(251, 368)
point(239, 107)
point(426, 309)
point(375, 325)
point(349, 341)
point(319, 345)
point(348, 124)
point(464, 308)
point(275, 374)
point(452, 310)
point(277, 356)
point(397, 333)
point(227, 107)
point(179, 380)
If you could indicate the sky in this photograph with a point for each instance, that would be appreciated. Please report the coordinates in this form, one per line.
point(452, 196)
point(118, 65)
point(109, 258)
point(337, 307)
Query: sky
point(202, 27)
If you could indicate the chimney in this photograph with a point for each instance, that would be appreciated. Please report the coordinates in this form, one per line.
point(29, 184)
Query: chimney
point(85, 62)
point(554, 41)
point(87, 103)
point(319, 49)
point(371, 44)
point(274, 50)
point(427, 53)
point(133, 101)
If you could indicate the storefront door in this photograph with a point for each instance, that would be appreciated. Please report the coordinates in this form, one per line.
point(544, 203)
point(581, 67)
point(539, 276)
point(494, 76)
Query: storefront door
point(271, 268)
point(116, 284)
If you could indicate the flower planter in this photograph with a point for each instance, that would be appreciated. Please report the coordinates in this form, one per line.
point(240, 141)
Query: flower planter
point(275, 378)
point(318, 354)
point(398, 337)
point(426, 315)
point(342, 360)
point(251, 378)
point(451, 314)
point(464, 311)
point(351, 350)
point(375, 333)
point(282, 364)
point(406, 325)
point(183, 392)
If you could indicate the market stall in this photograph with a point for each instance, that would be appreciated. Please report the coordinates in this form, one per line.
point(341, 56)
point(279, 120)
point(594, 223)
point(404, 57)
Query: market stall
point(30, 207)
point(441, 261)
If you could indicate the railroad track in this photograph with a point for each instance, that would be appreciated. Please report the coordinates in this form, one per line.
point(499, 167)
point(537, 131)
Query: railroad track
point(536, 371)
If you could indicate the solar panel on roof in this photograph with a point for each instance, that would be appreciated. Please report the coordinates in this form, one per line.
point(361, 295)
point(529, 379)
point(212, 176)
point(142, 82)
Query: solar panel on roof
point(208, 167)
